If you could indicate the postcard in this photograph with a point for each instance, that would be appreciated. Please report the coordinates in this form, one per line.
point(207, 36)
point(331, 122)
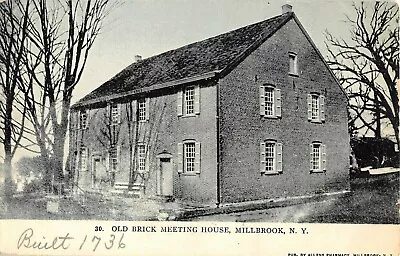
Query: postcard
point(150, 127)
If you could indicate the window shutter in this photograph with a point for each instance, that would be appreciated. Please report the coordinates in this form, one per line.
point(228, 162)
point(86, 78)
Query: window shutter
point(322, 107)
point(108, 114)
point(197, 99)
point(108, 167)
point(79, 135)
point(87, 118)
point(180, 157)
point(77, 123)
point(79, 119)
point(73, 123)
point(87, 159)
point(179, 102)
point(134, 111)
point(77, 132)
point(262, 100)
point(119, 158)
point(311, 157)
point(309, 105)
point(279, 157)
point(197, 159)
point(278, 103)
point(119, 106)
point(77, 162)
point(323, 166)
point(147, 147)
point(147, 108)
point(88, 163)
point(262, 157)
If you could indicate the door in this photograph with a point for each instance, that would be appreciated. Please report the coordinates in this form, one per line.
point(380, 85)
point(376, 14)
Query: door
point(166, 177)
point(99, 174)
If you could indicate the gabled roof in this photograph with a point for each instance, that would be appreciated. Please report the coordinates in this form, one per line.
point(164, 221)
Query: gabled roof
point(215, 54)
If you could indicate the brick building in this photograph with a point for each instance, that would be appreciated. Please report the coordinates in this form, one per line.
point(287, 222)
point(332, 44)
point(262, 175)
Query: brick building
point(250, 114)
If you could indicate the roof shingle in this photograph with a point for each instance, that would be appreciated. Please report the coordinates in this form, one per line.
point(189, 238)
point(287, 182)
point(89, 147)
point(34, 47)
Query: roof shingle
point(212, 54)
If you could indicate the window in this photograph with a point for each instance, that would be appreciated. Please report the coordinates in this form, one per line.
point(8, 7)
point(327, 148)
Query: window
point(84, 155)
point(83, 121)
point(114, 152)
point(188, 102)
point(115, 114)
point(189, 157)
point(317, 157)
point(316, 107)
point(270, 157)
point(270, 101)
point(142, 110)
point(141, 157)
point(293, 63)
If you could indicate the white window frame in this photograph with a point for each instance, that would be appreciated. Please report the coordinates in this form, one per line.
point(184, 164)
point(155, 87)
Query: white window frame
point(195, 156)
point(83, 119)
point(189, 97)
point(316, 107)
point(114, 157)
point(270, 157)
point(270, 96)
point(142, 110)
point(114, 114)
point(189, 166)
point(293, 68)
point(318, 158)
point(83, 154)
point(189, 94)
point(141, 157)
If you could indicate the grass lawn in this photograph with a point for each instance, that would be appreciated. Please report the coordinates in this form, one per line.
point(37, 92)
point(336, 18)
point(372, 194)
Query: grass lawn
point(372, 200)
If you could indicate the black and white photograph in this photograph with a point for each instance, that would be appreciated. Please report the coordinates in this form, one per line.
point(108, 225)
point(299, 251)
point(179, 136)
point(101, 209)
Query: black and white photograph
point(181, 111)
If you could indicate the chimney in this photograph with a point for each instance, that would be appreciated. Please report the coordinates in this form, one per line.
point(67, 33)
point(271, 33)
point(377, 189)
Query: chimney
point(138, 58)
point(286, 8)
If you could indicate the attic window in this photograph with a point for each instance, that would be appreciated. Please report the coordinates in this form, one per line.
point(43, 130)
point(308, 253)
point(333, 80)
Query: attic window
point(293, 63)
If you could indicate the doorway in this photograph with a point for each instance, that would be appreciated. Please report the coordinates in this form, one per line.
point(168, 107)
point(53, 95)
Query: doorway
point(99, 174)
point(165, 181)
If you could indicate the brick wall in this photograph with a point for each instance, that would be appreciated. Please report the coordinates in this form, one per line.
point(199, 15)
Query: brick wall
point(242, 128)
point(163, 131)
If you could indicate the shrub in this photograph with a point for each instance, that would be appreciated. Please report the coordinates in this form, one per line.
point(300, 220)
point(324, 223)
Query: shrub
point(32, 171)
point(373, 152)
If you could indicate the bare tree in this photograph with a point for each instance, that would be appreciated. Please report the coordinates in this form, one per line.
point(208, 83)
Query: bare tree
point(13, 28)
point(60, 36)
point(368, 65)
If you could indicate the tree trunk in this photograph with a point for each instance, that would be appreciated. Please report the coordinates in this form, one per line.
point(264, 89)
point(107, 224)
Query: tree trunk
point(378, 133)
point(397, 154)
point(7, 150)
point(58, 157)
point(60, 131)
